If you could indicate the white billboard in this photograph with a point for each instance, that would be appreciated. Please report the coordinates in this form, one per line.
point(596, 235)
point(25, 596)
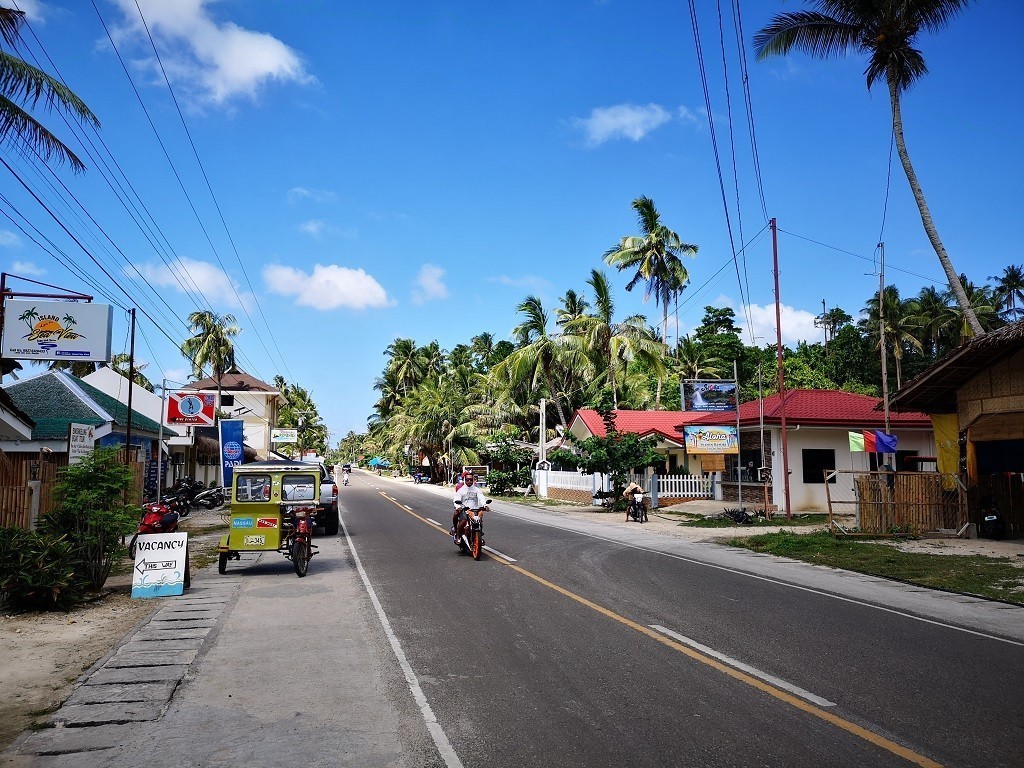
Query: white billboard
point(56, 330)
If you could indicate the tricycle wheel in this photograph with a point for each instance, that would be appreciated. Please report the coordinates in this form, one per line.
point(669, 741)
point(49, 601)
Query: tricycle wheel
point(300, 557)
point(222, 562)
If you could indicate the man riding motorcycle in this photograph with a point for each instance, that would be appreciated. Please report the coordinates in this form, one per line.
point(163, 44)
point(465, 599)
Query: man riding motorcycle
point(468, 496)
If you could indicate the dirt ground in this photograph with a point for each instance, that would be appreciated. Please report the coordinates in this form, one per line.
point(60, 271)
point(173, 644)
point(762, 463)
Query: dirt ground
point(43, 654)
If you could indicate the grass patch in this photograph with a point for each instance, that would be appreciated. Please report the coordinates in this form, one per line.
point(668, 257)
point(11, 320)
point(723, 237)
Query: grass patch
point(991, 577)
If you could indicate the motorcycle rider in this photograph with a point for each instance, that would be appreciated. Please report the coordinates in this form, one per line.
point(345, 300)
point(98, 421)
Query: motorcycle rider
point(467, 496)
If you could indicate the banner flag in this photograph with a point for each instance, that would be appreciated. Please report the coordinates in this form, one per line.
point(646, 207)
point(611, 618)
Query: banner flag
point(872, 441)
point(232, 453)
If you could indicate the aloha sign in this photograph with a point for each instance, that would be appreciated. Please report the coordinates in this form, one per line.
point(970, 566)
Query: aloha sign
point(56, 330)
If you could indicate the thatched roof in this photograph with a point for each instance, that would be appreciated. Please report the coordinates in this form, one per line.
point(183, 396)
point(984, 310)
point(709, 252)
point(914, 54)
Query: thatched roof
point(934, 390)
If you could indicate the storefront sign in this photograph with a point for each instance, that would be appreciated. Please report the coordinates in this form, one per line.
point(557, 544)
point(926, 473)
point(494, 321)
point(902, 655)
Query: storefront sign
point(711, 440)
point(196, 408)
point(284, 435)
point(81, 441)
point(232, 452)
point(56, 330)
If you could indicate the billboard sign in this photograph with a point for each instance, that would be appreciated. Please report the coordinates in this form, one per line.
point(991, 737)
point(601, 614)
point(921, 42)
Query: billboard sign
point(56, 330)
point(232, 448)
point(712, 440)
point(700, 395)
point(284, 435)
point(196, 408)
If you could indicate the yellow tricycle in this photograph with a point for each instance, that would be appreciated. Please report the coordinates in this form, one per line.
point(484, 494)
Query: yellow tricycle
point(273, 509)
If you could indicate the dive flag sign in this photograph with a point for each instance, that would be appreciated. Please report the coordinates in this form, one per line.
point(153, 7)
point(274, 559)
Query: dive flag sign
point(872, 441)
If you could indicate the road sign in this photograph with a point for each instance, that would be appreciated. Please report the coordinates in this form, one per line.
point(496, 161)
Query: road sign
point(160, 563)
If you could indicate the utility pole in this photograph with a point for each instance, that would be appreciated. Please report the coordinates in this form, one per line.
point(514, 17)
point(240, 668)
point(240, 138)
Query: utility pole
point(881, 332)
point(781, 368)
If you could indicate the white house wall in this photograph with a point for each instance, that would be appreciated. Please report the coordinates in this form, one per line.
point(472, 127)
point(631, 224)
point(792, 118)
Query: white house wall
point(811, 497)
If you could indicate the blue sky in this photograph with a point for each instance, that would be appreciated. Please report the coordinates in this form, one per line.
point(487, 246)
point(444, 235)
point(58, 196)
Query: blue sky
point(408, 169)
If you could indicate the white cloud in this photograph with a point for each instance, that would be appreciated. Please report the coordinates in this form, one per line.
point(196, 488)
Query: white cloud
point(314, 228)
point(35, 12)
point(9, 239)
point(27, 268)
point(622, 121)
point(797, 325)
point(189, 276)
point(429, 284)
point(213, 60)
point(328, 287)
point(528, 282)
point(316, 195)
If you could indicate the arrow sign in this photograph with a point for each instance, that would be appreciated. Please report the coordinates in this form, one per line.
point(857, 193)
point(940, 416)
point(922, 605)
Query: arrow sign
point(160, 561)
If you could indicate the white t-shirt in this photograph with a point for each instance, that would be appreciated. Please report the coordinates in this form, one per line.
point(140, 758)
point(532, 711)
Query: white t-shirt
point(471, 496)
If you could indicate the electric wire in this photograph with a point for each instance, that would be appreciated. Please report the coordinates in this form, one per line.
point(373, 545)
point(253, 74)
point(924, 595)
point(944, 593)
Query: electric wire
point(213, 197)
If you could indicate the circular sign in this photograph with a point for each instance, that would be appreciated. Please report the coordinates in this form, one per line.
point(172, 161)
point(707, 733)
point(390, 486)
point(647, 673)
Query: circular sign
point(190, 405)
point(232, 451)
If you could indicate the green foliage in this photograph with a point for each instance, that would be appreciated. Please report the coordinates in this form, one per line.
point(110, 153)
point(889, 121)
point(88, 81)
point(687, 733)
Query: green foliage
point(514, 461)
point(92, 514)
point(37, 571)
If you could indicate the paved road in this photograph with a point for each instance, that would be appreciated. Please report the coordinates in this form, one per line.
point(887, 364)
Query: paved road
point(568, 644)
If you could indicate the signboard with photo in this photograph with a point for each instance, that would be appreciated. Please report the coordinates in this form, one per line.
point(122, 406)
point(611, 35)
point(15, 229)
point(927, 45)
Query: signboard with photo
point(701, 395)
point(56, 330)
point(712, 440)
point(190, 408)
point(284, 435)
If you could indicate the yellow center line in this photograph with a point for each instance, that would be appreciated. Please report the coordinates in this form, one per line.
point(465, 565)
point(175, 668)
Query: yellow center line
point(771, 690)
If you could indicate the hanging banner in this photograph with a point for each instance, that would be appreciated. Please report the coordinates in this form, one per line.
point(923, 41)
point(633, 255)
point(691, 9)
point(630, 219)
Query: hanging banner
point(190, 407)
point(711, 440)
point(232, 453)
point(56, 330)
point(81, 441)
point(700, 395)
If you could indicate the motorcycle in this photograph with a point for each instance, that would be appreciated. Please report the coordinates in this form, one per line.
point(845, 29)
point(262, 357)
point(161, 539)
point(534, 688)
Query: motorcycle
point(469, 535)
point(158, 517)
point(210, 498)
point(636, 509)
point(993, 526)
point(298, 526)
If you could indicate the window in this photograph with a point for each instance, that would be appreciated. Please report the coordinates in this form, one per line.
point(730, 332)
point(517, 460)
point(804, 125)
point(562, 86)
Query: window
point(816, 462)
point(252, 487)
point(298, 487)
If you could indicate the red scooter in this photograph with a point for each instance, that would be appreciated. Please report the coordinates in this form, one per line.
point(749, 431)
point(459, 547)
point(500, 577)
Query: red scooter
point(157, 517)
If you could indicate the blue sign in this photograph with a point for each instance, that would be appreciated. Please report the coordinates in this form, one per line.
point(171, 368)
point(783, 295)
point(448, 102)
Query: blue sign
point(231, 451)
point(242, 522)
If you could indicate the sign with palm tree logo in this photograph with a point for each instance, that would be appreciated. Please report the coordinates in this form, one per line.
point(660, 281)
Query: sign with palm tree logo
point(56, 330)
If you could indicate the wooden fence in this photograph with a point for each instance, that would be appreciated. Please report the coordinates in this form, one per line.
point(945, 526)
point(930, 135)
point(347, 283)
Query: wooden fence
point(897, 502)
point(15, 506)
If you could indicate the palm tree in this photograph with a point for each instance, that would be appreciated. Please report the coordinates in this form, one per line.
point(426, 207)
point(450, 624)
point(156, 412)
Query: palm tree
point(1009, 290)
point(22, 86)
point(122, 364)
point(573, 306)
point(931, 316)
point(614, 344)
point(407, 363)
point(885, 30)
point(655, 255)
point(900, 325)
point(211, 344)
point(982, 305)
point(538, 356)
point(696, 361)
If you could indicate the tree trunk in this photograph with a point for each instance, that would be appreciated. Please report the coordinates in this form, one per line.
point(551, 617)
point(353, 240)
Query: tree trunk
point(926, 217)
point(557, 402)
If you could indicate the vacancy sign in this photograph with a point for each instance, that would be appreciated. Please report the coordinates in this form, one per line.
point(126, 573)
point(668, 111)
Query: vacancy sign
point(190, 408)
point(161, 561)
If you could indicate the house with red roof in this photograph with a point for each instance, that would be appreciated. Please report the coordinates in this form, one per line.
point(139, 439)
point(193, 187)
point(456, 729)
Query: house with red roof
point(818, 423)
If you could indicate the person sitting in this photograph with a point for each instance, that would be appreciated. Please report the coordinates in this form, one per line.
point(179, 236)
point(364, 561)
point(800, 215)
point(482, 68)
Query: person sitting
point(469, 496)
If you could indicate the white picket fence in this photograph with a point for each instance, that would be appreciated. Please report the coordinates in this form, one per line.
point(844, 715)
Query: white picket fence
point(668, 486)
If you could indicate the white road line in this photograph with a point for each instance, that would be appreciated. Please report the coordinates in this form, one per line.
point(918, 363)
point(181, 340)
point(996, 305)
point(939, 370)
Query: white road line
point(770, 580)
point(433, 727)
point(499, 554)
point(432, 522)
point(752, 671)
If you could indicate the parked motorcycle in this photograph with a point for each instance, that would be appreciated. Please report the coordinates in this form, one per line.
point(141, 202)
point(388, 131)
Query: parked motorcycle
point(298, 524)
point(211, 498)
point(469, 536)
point(993, 526)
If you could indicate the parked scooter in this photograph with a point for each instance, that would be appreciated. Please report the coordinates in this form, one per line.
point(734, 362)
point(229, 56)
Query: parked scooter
point(211, 498)
point(157, 517)
point(993, 526)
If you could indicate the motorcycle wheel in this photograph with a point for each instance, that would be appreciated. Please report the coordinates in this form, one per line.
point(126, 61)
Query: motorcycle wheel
point(300, 557)
point(132, 546)
point(475, 547)
point(222, 563)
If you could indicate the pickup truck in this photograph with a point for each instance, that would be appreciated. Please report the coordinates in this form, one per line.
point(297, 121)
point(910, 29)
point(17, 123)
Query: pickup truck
point(327, 507)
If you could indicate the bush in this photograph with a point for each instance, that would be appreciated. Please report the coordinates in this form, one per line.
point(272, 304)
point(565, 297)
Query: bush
point(37, 571)
point(92, 514)
point(503, 483)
